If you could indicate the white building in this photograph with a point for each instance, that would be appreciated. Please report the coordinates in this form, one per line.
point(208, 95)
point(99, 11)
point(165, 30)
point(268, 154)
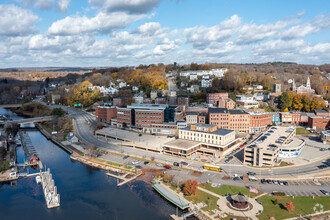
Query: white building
point(122, 84)
point(193, 76)
point(206, 83)
point(138, 98)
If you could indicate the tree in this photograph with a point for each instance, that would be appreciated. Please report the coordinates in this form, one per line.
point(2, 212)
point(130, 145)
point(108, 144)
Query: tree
point(317, 103)
point(190, 187)
point(289, 206)
point(284, 101)
point(58, 112)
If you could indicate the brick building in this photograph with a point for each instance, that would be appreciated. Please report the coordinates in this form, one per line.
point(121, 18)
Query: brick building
point(260, 121)
point(105, 114)
point(213, 98)
point(237, 120)
point(183, 100)
point(226, 103)
point(319, 122)
point(125, 116)
point(118, 101)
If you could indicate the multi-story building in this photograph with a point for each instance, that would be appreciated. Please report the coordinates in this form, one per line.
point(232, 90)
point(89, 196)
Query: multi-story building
point(183, 100)
point(206, 83)
point(233, 119)
point(277, 87)
point(290, 117)
point(160, 100)
point(226, 103)
point(260, 156)
point(202, 118)
point(191, 117)
point(260, 121)
point(203, 138)
point(319, 122)
point(247, 104)
point(213, 98)
point(125, 117)
point(138, 98)
point(105, 113)
point(118, 101)
point(323, 113)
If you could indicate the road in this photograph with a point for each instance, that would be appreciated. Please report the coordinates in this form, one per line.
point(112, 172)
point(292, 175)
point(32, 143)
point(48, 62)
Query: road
point(84, 133)
point(294, 188)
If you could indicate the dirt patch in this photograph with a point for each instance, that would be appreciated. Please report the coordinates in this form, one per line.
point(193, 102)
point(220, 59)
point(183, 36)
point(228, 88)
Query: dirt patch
point(149, 174)
point(196, 173)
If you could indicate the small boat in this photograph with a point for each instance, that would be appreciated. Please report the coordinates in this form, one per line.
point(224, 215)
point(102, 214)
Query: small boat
point(38, 179)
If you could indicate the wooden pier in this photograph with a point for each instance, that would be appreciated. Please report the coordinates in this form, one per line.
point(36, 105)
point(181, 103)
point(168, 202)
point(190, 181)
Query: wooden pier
point(124, 177)
point(50, 191)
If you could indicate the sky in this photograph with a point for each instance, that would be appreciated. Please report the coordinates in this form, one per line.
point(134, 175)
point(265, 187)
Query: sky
point(102, 33)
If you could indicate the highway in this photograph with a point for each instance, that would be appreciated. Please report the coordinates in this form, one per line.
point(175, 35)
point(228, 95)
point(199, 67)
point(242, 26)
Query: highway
point(84, 133)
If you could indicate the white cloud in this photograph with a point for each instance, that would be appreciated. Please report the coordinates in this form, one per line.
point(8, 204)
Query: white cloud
point(63, 5)
point(201, 36)
point(251, 33)
point(102, 22)
point(16, 21)
point(318, 24)
point(40, 4)
point(131, 6)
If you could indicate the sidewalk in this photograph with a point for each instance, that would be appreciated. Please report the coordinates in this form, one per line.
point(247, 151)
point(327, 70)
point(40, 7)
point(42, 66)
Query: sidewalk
point(222, 204)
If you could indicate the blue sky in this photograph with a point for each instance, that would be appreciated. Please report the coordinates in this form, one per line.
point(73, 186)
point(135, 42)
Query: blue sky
point(37, 33)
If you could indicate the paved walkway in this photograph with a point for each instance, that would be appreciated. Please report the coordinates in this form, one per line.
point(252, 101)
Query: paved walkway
point(170, 195)
point(222, 204)
point(260, 195)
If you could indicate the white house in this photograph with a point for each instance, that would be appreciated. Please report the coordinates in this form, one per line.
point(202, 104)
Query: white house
point(206, 83)
point(135, 88)
point(193, 76)
point(138, 98)
point(122, 84)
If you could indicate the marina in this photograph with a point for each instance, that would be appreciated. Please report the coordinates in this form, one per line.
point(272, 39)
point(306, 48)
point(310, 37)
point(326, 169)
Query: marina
point(50, 191)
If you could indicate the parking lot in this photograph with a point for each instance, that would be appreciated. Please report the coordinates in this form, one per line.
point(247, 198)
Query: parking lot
point(311, 152)
point(294, 188)
point(155, 141)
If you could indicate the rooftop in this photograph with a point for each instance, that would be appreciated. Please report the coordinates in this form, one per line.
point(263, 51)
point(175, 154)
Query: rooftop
point(221, 132)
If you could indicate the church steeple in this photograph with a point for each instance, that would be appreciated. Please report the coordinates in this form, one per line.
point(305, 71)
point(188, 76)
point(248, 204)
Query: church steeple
point(308, 83)
point(293, 85)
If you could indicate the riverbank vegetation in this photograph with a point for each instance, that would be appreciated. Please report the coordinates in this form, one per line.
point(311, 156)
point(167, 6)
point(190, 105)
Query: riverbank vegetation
point(34, 109)
point(62, 125)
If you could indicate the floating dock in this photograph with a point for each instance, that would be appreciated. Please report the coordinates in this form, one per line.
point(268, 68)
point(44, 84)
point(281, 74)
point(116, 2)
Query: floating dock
point(50, 191)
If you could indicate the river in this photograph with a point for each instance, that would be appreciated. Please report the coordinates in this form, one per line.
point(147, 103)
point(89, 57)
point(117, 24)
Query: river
point(86, 193)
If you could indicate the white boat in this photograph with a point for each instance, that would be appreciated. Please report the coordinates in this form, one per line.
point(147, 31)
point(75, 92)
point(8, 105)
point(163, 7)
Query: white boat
point(38, 179)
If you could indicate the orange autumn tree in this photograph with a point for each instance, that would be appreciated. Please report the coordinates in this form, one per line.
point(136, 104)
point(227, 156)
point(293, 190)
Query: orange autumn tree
point(289, 206)
point(190, 187)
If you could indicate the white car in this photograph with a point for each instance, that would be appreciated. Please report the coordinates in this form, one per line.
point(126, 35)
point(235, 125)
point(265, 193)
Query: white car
point(159, 165)
point(135, 162)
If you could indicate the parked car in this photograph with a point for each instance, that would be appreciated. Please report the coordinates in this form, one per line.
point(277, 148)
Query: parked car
point(263, 181)
point(153, 134)
point(242, 145)
point(135, 161)
point(251, 173)
point(139, 167)
point(176, 164)
point(269, 182)
point(167, 167)
point(125, 157)
point(236, 178)
point(184, 163)
point(323, 149)
point(324, 192)
point(280, 182)
point(252, 178)
point(275, 181)
point(145, 162)
point(285, 183)
point(226, 161)
point(140, 135)
point(159, 165)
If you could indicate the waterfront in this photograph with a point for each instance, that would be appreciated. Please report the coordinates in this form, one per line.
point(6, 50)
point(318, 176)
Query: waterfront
point(86, 193)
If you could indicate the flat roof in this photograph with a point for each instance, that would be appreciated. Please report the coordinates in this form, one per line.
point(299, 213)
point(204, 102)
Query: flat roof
point(271, 139)
point(221, 132)
point(182, 144)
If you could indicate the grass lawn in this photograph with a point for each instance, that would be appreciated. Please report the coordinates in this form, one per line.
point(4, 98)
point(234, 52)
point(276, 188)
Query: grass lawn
point(201, 196)
point(303, 131)
point(303, 205)
point(227, 189)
